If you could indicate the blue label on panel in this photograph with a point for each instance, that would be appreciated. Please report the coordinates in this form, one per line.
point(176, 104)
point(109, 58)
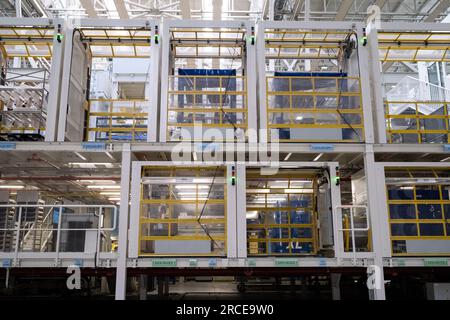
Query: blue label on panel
point(322, 262)
point(446, 147)
point(202, 147)
point(212, 262)
point(321, 147)
point(7, 145)
point(78, 262)
point(93, 146)
point(6, 263)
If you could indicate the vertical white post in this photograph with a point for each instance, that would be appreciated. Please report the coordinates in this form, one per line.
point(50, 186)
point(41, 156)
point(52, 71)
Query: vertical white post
point(363, 55)
point(65, 84)
point(58, 236)
point(261, 64)
point(271, 10)
point(307, 18)
point(152, 85)
point(121, 270)
point(16, 246)
point(231, 213)
point(18, 5)
point(164, 82)
point(337, 221)
point(335, 286)
point(241, 211)
point(375, 221)
point(375, 80)
point(251, 88)
point(133, 236)
point(54, 84)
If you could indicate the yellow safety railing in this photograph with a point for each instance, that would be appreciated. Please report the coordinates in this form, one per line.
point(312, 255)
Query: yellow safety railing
point(117, 43)
point(414, 46)
point(117, 120)
point(21, 130)
point(326, 108)
point(417, 121)
point(210, 101)
point(182, 204)
point(419, 211)
point(26, 41)
point(281, 219)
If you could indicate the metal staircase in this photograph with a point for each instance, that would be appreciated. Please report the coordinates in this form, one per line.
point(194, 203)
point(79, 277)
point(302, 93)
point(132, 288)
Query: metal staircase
point(411, 89)
point(7, 221)
point(32, 237)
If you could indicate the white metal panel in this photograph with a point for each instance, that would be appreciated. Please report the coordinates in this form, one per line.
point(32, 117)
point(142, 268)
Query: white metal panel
point(231, 215)
point(121, 272)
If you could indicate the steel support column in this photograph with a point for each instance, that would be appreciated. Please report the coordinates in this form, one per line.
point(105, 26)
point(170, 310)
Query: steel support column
point(121, 271)
point(378, 293)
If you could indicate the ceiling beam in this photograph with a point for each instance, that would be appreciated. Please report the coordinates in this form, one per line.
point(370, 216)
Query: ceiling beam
point(343, 9)
point(185, 7)
point(121, 9)
point(88, 5)
point(380, 3)
point(441, 7)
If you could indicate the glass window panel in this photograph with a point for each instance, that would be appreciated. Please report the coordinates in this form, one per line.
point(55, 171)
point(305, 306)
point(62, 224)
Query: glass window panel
point(404, 138)
point(402, 211)
point(427, 194)
point(397, 193)
point(302, 84)
point(279, 247)
point(301, 233)
point(447, 212)
point(403, 229)
point(302, 102)
point(445, 193)
point(434, 137)
point(431, 229)
point(302, 247)
point(278, 102)
point(301, 217)
point(300, 200)
point(277, 217)
point(326, 85)
point(429, 211)
point(399, 246)
point(279, 233)
point(279, 118)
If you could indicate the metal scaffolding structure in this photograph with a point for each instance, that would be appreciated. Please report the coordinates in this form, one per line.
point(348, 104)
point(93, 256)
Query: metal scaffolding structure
point(330, 163)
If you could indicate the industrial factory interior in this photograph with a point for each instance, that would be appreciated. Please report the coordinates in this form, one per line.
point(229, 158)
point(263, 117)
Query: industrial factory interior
point(224, 150)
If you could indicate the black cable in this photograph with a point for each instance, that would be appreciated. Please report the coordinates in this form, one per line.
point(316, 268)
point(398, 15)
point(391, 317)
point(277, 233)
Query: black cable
point(347, 40)
point(203, 210)
point(217, 167)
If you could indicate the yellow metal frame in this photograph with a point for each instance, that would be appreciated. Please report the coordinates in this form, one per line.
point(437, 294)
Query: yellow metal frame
point(38, 37)
point(198, 109)
point(314, 94)
point(135, 115)
point(209, 34)
point(4, 129)
point(305, 36)
point(417, 116)
point(110, 34)
point(417, 221)
point(415, 42)
point(254, 174)
point(197, 173)
point(326, 43)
